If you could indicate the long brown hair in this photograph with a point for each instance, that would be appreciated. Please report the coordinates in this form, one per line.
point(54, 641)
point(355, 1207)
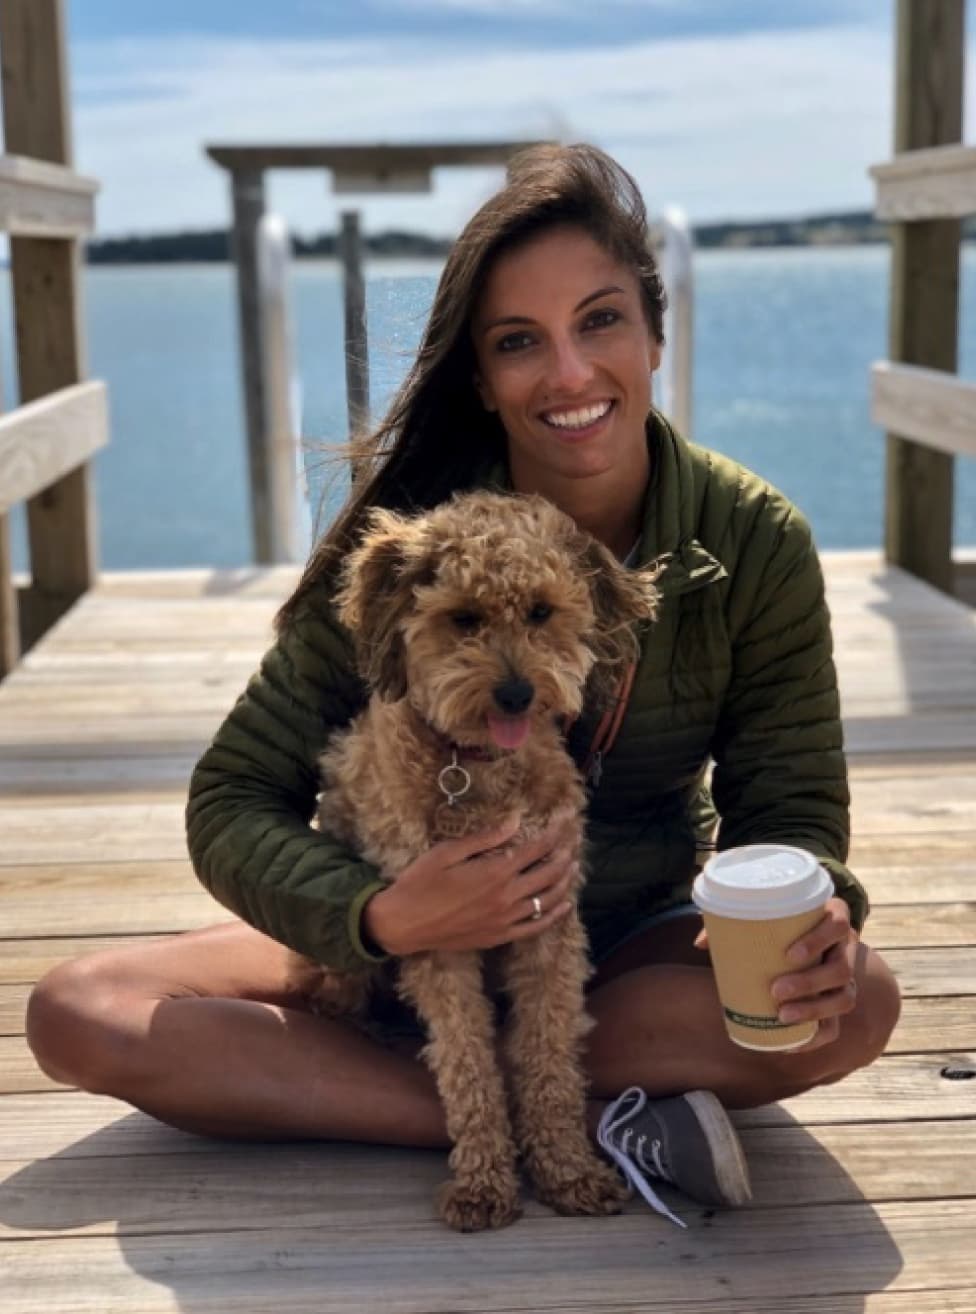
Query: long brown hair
point(437, 437)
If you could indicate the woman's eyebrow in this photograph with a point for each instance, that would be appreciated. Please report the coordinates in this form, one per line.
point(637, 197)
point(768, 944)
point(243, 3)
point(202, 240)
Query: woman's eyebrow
point(524, 319)
point(600, 292)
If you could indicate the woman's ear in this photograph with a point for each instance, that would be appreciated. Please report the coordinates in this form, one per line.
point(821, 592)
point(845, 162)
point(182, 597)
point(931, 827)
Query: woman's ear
point(654, 354)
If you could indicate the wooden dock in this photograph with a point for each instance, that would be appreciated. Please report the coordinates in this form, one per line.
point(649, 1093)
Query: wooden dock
point(863, 1190)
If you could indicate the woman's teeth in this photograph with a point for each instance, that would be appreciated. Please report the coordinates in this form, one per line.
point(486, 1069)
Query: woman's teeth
point(577, 419)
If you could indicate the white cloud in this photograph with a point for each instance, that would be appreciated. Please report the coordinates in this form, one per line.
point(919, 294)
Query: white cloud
point(746, 125)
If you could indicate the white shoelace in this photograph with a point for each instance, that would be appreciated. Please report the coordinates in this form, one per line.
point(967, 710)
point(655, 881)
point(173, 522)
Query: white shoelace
point(621, 1111)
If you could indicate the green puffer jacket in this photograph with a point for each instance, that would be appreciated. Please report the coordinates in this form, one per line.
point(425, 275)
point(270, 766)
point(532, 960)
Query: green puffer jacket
point(736, 670)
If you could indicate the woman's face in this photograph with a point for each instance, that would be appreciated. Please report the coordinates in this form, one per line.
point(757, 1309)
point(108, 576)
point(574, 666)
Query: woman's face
point(565, 356)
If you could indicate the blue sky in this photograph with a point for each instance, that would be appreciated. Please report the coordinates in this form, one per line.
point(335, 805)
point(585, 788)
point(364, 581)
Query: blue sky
point(726, 108)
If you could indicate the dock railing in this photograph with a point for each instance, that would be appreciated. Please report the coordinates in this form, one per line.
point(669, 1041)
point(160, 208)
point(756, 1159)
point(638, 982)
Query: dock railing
point(930, 185)
point(46, 443)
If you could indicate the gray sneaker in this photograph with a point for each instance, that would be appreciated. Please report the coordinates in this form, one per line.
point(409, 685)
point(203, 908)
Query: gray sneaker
point(687, 1140)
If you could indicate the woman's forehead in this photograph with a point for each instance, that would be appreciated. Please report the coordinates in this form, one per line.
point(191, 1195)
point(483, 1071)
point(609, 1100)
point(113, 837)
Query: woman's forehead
point(560, 266)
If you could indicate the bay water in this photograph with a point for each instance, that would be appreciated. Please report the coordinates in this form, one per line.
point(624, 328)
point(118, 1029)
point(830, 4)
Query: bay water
point(784, 339)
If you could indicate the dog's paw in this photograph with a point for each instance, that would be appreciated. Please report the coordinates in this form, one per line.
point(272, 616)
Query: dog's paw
point(587, 1187)
point(475, 1206)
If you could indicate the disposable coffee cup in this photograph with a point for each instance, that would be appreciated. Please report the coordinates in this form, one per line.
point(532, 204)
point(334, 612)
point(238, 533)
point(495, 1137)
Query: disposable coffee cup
point(755, 901)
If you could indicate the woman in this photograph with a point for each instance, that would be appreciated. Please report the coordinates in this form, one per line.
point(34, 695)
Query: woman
point(535, 373)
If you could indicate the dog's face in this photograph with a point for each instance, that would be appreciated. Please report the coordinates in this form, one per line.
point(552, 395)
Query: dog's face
point(489, 614)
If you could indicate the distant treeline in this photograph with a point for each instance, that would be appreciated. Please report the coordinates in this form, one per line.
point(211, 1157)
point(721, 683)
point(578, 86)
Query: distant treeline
point(851, 228)
point(214, 244)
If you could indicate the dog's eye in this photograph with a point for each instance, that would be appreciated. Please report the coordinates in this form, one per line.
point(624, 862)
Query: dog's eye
point(539, 613)
point(465, 621)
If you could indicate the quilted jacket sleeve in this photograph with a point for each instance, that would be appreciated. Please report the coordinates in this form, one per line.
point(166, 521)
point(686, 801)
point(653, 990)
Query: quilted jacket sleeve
point(253, 793)
point(780, 772)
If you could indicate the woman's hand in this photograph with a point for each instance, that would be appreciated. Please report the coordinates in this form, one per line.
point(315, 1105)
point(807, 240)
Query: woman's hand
point(472, 893)
point(824, 986)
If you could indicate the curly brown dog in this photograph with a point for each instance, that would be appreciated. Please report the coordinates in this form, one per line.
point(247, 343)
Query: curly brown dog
point(477, 626)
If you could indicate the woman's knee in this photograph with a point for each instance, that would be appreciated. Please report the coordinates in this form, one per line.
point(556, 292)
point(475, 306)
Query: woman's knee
point(864, 1032)
point(78, 1024)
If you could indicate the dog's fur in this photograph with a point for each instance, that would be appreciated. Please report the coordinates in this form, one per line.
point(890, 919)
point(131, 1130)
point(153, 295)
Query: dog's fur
point(445, 608)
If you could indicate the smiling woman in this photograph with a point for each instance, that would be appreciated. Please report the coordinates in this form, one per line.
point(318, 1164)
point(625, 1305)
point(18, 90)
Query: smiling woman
point(565, 354)
point(533, 377)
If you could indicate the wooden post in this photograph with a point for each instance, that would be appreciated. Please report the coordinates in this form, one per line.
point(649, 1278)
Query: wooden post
point(9, 617)
point(247, 188)
point(46, 296)
point(924, 285)
point(354, 301)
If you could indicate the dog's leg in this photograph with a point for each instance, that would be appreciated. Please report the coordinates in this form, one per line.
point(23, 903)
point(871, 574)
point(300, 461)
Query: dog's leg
point(447, 991)
point(545, 977)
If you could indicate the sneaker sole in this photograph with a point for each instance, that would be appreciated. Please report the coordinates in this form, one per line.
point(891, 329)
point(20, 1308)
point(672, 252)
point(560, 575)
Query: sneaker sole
point(731, 1169)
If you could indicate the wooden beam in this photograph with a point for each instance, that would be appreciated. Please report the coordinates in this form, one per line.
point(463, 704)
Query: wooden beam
point(356, 335)
point(927, 184)
point(366, 160)
point(36, 96)
point(933, 408)
point(248, 195)
point(42, 441)
point(924, 285)
point(44, 200)
point(10, 643)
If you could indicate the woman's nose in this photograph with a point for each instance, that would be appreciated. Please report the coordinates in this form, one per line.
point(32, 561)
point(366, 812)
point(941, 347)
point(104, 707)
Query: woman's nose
point(570, 369)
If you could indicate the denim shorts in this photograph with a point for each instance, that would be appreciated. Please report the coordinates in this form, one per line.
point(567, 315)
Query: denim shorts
point(600, 952)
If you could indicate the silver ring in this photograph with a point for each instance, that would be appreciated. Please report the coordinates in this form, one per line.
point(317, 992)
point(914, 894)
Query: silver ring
point(536, 908)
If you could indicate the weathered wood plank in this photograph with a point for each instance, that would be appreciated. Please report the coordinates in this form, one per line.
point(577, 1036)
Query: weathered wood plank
point(361, 160)
point(42, 441)
point(648, 1264)
point(937, 183)
point(38, 199)
point(255, 1186)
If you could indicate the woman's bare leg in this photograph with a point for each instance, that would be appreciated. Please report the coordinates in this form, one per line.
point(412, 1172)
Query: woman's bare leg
point(201, 1032)
point(659, 1026)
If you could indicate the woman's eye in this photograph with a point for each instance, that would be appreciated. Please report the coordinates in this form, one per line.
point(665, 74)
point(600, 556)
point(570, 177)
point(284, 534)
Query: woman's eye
point(540, 613)
point(602, 318)
point(465, 621)
point(513, 342)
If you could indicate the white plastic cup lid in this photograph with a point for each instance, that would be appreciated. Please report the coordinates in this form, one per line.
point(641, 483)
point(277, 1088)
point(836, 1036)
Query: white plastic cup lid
point(761, 881)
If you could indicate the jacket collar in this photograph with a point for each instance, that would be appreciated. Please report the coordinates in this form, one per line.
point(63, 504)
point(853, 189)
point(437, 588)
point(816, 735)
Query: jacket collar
point(671, 514)
point(670, 511)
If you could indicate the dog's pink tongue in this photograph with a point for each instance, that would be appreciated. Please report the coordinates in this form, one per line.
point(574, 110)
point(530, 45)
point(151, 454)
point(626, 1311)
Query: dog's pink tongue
point(508, 731)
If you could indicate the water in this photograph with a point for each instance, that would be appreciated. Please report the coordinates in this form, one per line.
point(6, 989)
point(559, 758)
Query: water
point(783, 344)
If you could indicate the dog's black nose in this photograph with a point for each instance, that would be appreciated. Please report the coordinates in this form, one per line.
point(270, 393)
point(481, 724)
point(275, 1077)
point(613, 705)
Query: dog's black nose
point(513, 696)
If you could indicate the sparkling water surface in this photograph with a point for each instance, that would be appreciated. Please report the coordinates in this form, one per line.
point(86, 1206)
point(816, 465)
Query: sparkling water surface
point(783, 344)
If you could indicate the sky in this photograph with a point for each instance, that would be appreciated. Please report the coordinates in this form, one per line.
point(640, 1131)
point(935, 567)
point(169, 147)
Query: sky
point(727, 109)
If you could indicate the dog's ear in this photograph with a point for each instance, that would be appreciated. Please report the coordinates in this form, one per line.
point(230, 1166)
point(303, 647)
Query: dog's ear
point(376, 593)
point(622, 599)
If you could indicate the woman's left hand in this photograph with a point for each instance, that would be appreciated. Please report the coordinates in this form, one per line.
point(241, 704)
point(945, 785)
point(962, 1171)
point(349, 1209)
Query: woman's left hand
point(824, 985)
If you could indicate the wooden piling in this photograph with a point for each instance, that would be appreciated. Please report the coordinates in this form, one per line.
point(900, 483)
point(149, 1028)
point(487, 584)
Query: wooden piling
point(924, 285)
point(46, 297)
point(354, 303)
